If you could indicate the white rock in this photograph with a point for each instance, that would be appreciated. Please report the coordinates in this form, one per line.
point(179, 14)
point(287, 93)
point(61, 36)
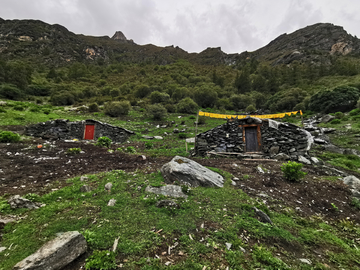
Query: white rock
point(158, 138)
point(56, 253)
point(305, 261)
point(2, 249)
point(259, 169)
point(228, 245)
point(108, 186)
point(111, 202)
point(304, 160)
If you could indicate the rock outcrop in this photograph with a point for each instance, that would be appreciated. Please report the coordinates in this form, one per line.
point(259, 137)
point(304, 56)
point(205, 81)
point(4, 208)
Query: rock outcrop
point(188, 172)
point(55, 254)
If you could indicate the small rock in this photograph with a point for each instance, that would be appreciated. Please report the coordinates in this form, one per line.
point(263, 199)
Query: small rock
point(235, 179)
point(326, 118)
point(148, 137)
point(319, 141)
point(167, 263)
point(305, 261)
point(263, 217)
point(167, 203)
point(169, 190)
point(233, 183)
point(228, 246)
point(158, 138)
point(176, 130)
point(108, 186)
point(111, 202)
point(260, 170)
point(314, 160)
point(304, 160)
point(2, 249)
point(85, 188)
point(242, 250)
point(20, 202)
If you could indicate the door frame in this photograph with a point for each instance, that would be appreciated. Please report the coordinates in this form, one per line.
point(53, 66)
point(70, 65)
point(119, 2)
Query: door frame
point(258, 131)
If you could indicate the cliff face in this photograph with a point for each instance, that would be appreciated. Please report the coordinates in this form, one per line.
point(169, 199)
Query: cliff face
point(54, 45)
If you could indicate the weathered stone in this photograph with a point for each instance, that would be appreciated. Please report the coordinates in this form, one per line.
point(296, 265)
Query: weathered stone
point(326, 118)
point(176, 130)
point(314, 160)
point(108, 186)
point(260, 170)
point(305, 261)
point(282, 157)
point(111, 202)
point(84, 178)
point(169, 190)
point(147, 137)
point(304, 160)
point(351, 152)
point(263, 217)
point(20, 202)
point(85, 188)
point(274, 150)
point(5, 220)
point(328, 130)
point(56, 253)
point(190, 173)
point(158, 138)
point(228, 246)
point(319, 141)
point(352, 181)
point(334, 149)
point(167, 203)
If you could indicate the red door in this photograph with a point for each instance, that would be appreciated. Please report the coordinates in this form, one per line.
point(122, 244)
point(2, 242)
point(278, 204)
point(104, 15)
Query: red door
point(89, 132)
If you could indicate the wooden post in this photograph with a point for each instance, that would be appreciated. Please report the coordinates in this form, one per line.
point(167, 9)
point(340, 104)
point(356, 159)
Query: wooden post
point(197, 119)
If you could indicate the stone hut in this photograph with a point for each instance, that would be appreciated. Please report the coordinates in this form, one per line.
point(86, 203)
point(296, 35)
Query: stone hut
point(82, 130)
point(254, 136)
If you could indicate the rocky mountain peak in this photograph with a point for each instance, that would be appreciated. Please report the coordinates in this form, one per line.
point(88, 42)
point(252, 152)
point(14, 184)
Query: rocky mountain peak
point(119, 36)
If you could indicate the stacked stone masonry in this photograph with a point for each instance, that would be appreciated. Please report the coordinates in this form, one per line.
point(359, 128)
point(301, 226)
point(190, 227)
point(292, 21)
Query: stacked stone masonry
point(277, 138)
point(66, 130)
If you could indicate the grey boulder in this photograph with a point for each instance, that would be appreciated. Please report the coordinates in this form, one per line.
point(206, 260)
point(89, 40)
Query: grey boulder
point(56, 253)
point(20, 202)
point(191, 173)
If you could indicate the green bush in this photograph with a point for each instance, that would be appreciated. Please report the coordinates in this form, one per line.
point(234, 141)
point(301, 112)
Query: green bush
point(46, 111)
point(331, 101)
point(170, 108)
point(93, 107)
point(187, 105)
point(104, 141)
point(158, 97)
point(149, 145)
point(156, 111)
point(9, 137)
point(117, 108)
point(130, 149)
point(2, 110)
point(182, 135)
point(62, 99)
point(354, 112)
point(335, 121)
point(74, 151)
point(339, 115)
point(103, 260)
point(250, 108)
point(292, 171)
point(18, 107)
point(11, 92)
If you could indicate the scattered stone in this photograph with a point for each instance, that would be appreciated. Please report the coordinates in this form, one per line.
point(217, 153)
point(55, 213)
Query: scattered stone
point(190, 140)
point(282, 157)
point(304, 160)
point(108, 186)
point(158, 138)
point(242, 250)
point(84, 178)
point(263, 217)
point(148, 137)
point(233, 183)
point(228, 246)
point(334, 149)
point(20, 202)
point(328, 130)
point(260, 170)
point(176, 130)
point(167, 203)
point(2, 249)
point(85, 188)
point(141, 158)
point(327, 118)
point(169, 190)
point(274, 150)
point(191, 173)
point(351, 152)
point(56, 253)
point(4, 221)
point(320, 141)
point(307, 261)
point(347, 126)
point(314, 160)
point(236, 179)
point(167, 263)
point(111, 202)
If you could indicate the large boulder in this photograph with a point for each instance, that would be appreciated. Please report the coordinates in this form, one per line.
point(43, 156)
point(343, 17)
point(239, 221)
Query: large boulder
point(56, 253)
point(354, 185)
point(20, 202)
point(191, 173)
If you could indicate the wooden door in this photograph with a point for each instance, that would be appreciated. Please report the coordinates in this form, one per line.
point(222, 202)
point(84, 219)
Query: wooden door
point(89, 132)
point(251, 139)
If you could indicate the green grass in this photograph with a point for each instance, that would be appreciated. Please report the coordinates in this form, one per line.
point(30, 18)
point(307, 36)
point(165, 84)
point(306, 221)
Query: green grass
point(226, 212)
point(350, 162)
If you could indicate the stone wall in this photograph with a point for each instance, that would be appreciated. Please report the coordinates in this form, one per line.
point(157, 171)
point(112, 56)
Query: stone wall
point(276, 138)
point(65, 130)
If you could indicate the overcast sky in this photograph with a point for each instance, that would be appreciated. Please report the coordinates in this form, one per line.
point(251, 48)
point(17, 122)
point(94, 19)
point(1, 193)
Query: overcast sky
point(193, 25)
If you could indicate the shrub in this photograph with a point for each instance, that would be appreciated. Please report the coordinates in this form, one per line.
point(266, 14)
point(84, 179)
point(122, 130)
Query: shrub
point(187, 105)
point(358, 104)
point(157, 111)
point(93, 107)
point(9, 137)
point(18, 107)
point(61, 99)
point(101, 260)
point(354, 112)
point(117, 108)
point(10, 91)
point(2, 110)
point(332, 101)
point(149, 145)
point(335, 121)
point(182, 135)
point(202, 120)
point(205, 96)
point(158, 97)
point(170, 108)
point(292, 171)
point(104, 141)
point(130, 149)
point(339, 115)
point(250, 108)
point(74, 151)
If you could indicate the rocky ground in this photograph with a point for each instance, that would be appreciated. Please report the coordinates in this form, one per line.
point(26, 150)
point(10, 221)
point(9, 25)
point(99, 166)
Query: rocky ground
point(25, 168)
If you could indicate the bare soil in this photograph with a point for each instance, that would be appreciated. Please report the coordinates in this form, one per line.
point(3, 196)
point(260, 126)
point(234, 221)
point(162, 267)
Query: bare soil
point(25, 168)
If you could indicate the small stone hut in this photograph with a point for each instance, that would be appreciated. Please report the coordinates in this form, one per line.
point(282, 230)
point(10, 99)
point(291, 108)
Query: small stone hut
point(250, 135)
point(82, 130)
